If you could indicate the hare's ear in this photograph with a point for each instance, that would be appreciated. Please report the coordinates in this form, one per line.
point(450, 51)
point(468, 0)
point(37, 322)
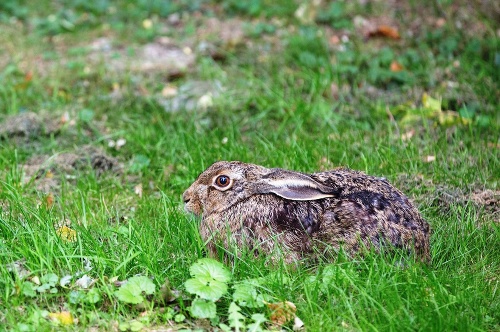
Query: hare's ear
point(293, 186)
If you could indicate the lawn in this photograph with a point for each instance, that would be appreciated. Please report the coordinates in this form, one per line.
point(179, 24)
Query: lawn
point(109, 110)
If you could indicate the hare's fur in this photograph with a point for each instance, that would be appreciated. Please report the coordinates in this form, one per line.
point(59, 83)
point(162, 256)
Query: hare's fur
point(271, 210)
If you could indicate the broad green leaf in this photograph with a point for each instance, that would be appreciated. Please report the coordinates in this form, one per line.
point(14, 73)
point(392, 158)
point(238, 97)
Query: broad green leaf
point(43, 288)
point(76, 297)
point(93, 296)
point(50, 279)
point(129, 294)
point(246, 295)
point(139, 163)
point(235, 318)
point(179, 318)
point(206, 288)
point(28, 289)
point(135, 325)
point(258, 320)
point(207, 267)
point(203, 309)
point(143, 283)
point(86, 115)
point(132, 290)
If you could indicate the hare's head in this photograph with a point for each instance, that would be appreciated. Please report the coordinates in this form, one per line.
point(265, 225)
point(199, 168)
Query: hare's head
point(225, 184)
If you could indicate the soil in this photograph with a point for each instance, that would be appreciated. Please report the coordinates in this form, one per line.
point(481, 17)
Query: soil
point(47, 172)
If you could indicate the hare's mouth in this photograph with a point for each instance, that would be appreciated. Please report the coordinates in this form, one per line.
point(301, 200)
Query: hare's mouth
point(191, 208)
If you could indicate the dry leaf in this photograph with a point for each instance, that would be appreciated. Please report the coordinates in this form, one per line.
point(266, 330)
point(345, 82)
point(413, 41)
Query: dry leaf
point(440, 22)
point(385, 31)
point(409, 134)
point(396, 66)
point(65, 118)
point(429, 159)
point(205, 101)
point(334, 40)
point(66, 234)
point(169, 91)
point(138, 190)
point(63, 317)
point(49, 199)
point(36, 280)
point(298, 324)
point(281, 312)
point(85, 282)
point(120, 142)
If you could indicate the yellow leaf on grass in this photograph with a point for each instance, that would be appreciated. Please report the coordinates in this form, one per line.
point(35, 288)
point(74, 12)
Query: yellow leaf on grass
point(281, 312)
point(66, 234)
point(431, 103)
point(63, 317)
point(451, 118)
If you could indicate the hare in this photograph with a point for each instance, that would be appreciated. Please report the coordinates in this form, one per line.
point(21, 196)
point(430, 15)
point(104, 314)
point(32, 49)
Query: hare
point(272, 210)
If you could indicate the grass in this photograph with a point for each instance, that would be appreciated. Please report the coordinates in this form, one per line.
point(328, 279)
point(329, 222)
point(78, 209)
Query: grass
point(292, 97)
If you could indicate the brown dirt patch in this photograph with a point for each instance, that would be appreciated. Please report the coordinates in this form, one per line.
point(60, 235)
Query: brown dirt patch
point(29, 125)
point(47, 172)
point(487, 201)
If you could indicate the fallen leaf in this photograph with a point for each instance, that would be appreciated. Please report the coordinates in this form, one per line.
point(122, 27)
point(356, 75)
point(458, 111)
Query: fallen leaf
point(147, 24)
point(28, 77)
point(169, 91)
point(431, 103)
point(334, 40)
point(65, 280)
point(65, 118)
point(440, 22)
point(451, 118)
point(298, 324)
point(63, 317)
point(138, 190)
point(429, 159)
point(385, 31)
point(49, 199)
point(281, 312)
point(205, 101)
point(120, 142)
point(409, 134)
point(66, 234)
point(84, 282)
point(36, 280)
point(396, 66)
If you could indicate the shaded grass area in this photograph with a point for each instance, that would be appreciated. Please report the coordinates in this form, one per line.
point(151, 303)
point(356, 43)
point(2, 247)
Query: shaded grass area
point(292, 97)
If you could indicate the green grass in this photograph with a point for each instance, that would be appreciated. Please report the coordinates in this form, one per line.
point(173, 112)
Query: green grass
point(278, 108)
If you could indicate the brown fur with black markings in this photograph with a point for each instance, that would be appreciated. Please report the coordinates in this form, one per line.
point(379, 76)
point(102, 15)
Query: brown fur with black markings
point(299, 214)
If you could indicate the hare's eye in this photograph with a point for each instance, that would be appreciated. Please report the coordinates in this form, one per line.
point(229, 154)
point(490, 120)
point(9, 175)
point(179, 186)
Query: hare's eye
point(222, 181)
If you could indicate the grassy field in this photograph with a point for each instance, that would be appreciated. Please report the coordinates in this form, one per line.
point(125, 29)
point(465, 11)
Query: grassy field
point(110, 109)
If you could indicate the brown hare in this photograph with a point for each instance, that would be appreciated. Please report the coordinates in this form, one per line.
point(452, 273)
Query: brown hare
point(272, 210)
